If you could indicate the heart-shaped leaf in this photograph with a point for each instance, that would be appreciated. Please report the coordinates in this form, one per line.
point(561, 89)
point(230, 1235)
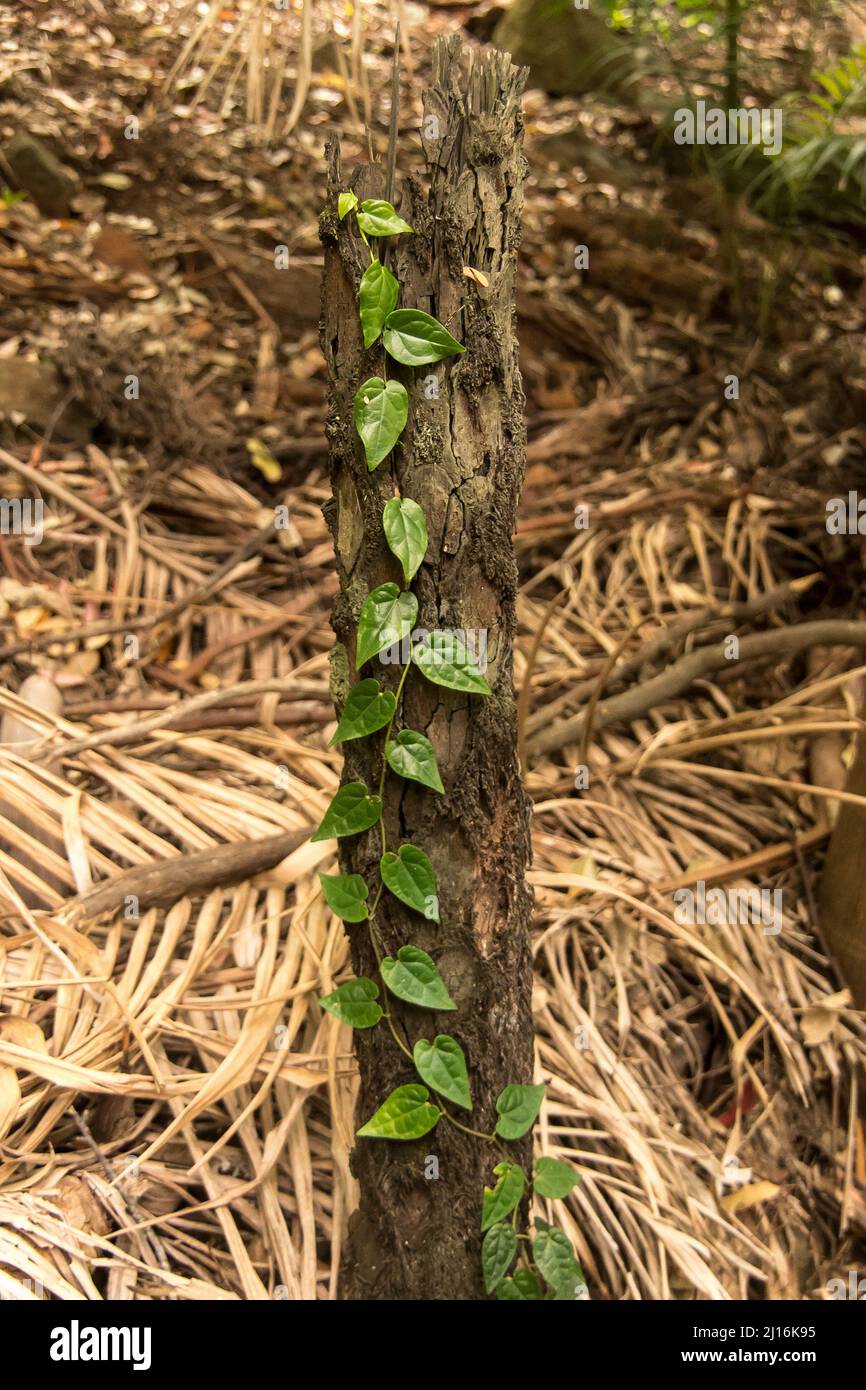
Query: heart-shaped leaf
point(367, 709)
point(377, 296)
point(553, 1178)
point(410, 877)
point(411, 755)
point(498, 1249)
point(414, 977)
point(381, 410)
point(378, 218)
point(352, 810)
point(346, 896)
point(354, 1003)
point(406, 1114)
point(554, 1258)
point(527, 1283)
point(387, 617)
point(500, 1201)
point(443, 658)
point(518, 1108)
point(347, 202)
point(415, 338)
point(406, 533)
point(522, 1288)
point(508, 1292)
point(443, 1066)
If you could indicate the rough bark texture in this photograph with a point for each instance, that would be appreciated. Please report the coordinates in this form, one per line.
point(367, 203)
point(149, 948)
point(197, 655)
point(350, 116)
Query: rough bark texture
point(842, 902)
point(416, 1236)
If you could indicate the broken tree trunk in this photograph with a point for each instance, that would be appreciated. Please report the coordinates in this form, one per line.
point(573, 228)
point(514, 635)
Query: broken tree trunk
point(416, 1234)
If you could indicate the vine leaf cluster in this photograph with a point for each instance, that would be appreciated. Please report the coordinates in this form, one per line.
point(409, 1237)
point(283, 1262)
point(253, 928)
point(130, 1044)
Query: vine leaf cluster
point(546, 1265)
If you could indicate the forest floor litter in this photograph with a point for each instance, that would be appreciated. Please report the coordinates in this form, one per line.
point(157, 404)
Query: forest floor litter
point(176, 1110)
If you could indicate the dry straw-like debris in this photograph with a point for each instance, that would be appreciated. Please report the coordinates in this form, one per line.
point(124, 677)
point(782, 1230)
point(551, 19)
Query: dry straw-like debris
point(176, 1109)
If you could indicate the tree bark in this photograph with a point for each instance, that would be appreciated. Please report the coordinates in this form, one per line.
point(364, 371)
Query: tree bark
point(416, 1235)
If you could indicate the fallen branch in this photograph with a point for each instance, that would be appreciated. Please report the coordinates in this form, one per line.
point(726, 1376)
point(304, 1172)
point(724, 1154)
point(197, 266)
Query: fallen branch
point(746, 865)
point(725, 613)
point(162, 883)
point(632, 704)
point(231, 641)
point(245, 717)
point(42, 640)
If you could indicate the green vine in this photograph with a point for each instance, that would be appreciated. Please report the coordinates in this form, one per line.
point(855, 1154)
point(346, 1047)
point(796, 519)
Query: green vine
point(546, 1264)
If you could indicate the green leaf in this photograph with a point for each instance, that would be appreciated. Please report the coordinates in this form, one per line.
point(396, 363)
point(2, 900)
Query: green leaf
point(381, 411)
point(523, 1288)
point(367, 709)
point(498, 1249)
point(347, 202)
point(414, 977)
point(553, 1178)
point(406, 1114)
point(501, 1200)
point(411, 755)
point(443, 1066)
point(406, 533)
point(527, 1283)
point(508, 1292)
point(518, 1108)
point(415, 338)
point(346, 896)
point(386, 618)
point(444, 660)
point(353, 1003)
point(351, 811)
point(410, 877)
point(377, 296)
point(554, 1257)
point(378, 218)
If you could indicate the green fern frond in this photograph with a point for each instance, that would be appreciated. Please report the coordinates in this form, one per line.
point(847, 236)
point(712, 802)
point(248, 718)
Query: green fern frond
point(845, 88)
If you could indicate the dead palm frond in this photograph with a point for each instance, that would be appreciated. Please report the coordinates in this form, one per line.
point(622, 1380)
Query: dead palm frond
point(162, 1052)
